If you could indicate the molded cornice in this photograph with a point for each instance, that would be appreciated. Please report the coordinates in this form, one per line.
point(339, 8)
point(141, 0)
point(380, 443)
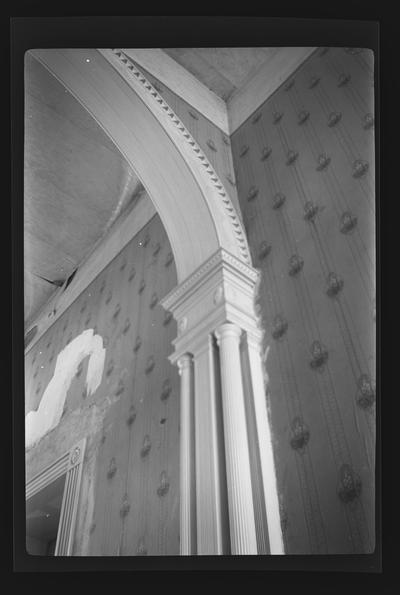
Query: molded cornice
point(264, 83)
point(244, 101)
point(183, 83)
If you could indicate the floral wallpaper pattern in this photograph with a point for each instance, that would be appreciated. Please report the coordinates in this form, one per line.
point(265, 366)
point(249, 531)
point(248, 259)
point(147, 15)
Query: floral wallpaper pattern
point(305, 172)
point(130, 484)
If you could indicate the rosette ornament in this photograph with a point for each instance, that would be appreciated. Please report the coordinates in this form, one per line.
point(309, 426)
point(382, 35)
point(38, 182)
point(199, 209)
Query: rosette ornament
point(349, 487)
point(291, 157)
point(296, 263)
point(366, 394)
point(280, 327)
point(335, 285)
point(319, 355)
point(334, 118)
point(278, 200)
point(301, 435)
point(322, 162)
point(360, 168)
point(303, 117)
point(347, 222)
point(265, 153)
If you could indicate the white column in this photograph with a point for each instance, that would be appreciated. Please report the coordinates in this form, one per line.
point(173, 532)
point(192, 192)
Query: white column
point(240, 495)
point(265, 447)
point(212, 521)
point(187, 471)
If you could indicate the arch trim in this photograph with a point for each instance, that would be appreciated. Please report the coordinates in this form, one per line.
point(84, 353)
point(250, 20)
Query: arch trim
point(131, 73)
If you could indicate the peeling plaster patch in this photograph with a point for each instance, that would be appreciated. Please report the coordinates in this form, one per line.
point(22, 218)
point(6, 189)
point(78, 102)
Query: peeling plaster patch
point(48, 414)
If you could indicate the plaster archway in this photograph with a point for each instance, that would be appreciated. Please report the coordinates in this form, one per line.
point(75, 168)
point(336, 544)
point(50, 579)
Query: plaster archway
point(210, 250)
point(193, 204)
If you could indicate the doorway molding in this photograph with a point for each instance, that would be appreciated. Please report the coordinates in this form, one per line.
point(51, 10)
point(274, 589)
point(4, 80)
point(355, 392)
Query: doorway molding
point(69, 464)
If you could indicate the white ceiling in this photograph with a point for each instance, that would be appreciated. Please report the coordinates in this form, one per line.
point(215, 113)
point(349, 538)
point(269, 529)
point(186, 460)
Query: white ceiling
point(223, 70)
point(76, 184)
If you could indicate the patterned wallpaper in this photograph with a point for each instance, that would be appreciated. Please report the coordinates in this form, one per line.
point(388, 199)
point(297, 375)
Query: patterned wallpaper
point(215, 143)
point(130, 485)
point(305, 170)
point(305, 178)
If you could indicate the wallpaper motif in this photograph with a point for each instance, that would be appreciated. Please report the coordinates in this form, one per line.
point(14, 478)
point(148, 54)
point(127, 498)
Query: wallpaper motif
point(215, 144)
point(305, 172)
point(130, 476)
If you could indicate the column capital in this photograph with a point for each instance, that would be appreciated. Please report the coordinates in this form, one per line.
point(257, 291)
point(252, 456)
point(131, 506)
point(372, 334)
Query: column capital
point(184, 361)
point(228, 329)
point(222, 290)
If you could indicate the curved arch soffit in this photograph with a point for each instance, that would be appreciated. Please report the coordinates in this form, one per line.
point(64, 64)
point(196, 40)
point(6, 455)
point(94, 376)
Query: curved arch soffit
point(193, 204)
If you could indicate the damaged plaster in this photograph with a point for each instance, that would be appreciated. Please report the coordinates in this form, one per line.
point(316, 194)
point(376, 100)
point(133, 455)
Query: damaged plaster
point(48, 414)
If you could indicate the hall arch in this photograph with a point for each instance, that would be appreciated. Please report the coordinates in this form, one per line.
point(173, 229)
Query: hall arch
point(192, 202)
point(214, 302)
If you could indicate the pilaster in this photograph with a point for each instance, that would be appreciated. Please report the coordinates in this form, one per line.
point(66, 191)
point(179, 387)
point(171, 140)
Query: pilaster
point(188, 540)
point(218, 300)
point(240, 496)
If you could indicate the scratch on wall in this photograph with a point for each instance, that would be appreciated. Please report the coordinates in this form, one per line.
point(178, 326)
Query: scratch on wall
point(48, 414)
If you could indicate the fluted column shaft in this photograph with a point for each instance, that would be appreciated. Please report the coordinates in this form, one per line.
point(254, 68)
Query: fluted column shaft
point(212, 521)
point(265, 447)
point(240, 496)
point(187, 461)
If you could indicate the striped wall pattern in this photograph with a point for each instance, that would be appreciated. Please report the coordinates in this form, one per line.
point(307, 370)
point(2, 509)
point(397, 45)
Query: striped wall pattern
point(130, 480)
point(305, 171)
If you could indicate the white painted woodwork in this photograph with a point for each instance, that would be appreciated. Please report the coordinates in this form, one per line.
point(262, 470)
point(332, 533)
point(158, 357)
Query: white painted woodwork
point(188, 539)
point(224, 218)
point(263, 83)
point(259, 384)
point(240, 495)
point(71, 464)
point(48, 475)
point(222, 291)
point(183, 83)
point(210, 501)
point(226, 85)
point(69, 506)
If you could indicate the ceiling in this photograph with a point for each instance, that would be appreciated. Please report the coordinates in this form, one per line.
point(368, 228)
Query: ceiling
point(223, 70)
point(76, 184)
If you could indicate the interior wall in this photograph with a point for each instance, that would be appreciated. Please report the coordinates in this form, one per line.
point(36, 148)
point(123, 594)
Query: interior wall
point(129, 498)
point(305, 170)
point(214, 142)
